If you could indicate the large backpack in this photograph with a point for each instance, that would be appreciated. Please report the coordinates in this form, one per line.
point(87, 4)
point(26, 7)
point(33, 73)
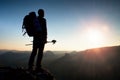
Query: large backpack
point(31, 25)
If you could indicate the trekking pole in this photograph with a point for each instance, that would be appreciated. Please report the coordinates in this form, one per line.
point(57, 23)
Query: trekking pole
point(28, 44)
point(53, 41)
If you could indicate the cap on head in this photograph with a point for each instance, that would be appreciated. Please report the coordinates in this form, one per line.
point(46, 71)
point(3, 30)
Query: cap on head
point(41, 12)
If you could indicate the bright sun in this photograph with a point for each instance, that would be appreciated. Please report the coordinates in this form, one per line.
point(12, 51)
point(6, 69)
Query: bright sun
point(93, 33)
point(95, 37)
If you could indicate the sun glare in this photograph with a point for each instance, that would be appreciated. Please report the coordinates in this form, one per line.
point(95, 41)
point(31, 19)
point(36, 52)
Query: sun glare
point(94, 32)
point(95, 36)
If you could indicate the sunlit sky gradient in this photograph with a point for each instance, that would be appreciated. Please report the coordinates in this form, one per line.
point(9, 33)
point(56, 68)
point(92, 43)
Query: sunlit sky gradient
point(68, 21)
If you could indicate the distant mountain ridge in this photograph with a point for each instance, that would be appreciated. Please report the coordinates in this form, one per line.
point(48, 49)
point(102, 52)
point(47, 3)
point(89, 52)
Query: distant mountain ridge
point(91, 64)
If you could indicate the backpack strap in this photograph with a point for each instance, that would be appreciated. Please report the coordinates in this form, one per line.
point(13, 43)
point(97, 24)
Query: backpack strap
point(23, 30)
point(24, 33)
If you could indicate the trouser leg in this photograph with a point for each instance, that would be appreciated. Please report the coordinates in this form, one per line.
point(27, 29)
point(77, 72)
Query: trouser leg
point(32, 58)
point(40, 55)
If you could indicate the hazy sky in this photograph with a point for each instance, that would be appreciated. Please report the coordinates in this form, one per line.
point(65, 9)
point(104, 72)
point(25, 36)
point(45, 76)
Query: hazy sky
point(75, 24)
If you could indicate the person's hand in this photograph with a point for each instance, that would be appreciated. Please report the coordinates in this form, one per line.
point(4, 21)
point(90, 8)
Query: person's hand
point(53, 41)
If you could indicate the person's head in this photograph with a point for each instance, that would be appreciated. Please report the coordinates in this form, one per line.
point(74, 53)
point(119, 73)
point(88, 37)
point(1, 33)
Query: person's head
point(41, 13)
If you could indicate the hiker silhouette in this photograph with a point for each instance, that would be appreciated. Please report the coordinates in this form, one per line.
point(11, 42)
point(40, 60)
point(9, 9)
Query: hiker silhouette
point(39, 40)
